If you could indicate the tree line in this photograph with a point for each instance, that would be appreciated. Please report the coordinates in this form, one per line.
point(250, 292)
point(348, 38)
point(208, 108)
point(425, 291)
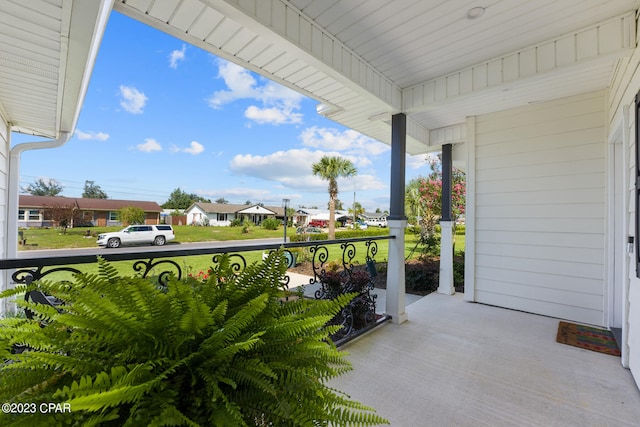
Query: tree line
point(178, 199)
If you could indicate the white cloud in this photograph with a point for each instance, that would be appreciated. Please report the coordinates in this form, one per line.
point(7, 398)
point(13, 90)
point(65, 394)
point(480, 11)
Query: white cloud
point(177, 56)
point(418, 161)
point(240, 82)
point(99, 136)
point(194, 148)
point(363, 183)
point(237, 195)
point(279, 103)
point(149, 145)
point(351, 143)
point(132, 100)
point(272, 115)
point(292, 169)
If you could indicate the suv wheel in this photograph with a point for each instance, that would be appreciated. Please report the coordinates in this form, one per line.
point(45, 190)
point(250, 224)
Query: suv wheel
point(113, 242)
point(159, 241)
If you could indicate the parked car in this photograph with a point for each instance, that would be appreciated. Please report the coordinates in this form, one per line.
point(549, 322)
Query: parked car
point(318, 223)
point(137, 235)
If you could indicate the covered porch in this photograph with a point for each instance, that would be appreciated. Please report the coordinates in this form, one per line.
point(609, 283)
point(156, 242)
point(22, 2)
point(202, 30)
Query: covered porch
point(537, 100)
point(465, 364)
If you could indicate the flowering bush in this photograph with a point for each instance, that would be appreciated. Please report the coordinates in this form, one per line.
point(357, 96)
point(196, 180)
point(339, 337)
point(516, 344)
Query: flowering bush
point(201, 276)
point(425, 200)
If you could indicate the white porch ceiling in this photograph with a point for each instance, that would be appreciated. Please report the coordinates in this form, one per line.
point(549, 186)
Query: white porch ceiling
point(363, 60)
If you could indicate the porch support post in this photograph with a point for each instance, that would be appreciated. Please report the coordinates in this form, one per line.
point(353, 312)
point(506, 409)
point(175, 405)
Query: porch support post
point(446, 225)
point(395, 298)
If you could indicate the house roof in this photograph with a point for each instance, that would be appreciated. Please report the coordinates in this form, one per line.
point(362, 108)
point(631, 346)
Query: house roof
point(29, 201)
point(256, 209)
point(372, 215)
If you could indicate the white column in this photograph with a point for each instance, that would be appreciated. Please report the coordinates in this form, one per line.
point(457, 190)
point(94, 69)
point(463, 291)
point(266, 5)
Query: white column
point(446, 259)
point(395, 298)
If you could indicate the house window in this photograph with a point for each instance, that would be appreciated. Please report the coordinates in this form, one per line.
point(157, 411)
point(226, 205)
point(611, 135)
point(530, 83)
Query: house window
point(222, 217)
point(28, 215)
point(113, 216)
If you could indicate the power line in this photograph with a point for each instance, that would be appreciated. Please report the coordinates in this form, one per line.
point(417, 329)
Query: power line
point(107, 188)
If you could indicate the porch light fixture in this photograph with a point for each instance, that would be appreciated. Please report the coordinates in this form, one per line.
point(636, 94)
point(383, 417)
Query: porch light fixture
point(475, 12)
point(285, 205)
point(327, 110)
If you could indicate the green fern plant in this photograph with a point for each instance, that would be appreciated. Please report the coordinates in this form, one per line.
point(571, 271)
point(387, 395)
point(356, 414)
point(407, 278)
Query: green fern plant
point(226, 351)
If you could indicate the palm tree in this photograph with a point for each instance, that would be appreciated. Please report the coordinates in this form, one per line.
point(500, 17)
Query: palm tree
point(332, 168)
point(356, 211)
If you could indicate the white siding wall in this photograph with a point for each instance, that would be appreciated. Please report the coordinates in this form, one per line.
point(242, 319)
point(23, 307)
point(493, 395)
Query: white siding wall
point(540, 208)
point(625, 85)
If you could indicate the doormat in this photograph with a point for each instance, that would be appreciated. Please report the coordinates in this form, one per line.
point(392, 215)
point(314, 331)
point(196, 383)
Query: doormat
point(595, 339)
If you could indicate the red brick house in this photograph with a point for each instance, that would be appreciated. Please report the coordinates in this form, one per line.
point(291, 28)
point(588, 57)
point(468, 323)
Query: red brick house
point(32, 211)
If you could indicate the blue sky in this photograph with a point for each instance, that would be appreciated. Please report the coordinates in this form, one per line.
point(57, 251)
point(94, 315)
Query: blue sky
point(161, 114)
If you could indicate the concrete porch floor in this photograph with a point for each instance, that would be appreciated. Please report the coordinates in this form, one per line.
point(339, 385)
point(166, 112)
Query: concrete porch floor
point(455, 363)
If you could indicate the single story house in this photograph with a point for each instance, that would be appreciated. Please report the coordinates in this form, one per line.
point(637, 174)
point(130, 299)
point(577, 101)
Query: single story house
point(222, 214)
point(309, 216)
point(36, 211)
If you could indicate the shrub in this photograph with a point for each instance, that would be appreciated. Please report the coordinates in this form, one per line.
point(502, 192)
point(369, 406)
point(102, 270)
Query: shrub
point(458, 269)
point(246, 225)
point(372, 231)
point(237, 222)
point(220, 351)
point(131, 215)
point(308, 237)
point(270, 224)
point(423, 276)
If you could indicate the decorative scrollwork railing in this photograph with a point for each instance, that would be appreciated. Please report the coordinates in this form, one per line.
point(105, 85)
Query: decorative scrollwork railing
point(161, 264)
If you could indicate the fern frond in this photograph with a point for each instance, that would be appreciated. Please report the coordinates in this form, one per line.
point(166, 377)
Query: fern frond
point(224, 352)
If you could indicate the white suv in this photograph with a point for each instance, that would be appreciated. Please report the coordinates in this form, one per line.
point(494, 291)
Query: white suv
point(137, 234)
point(377, 222)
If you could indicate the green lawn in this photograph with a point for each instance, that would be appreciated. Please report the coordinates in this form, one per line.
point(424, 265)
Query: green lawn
point(53, 238)
point(76, 238)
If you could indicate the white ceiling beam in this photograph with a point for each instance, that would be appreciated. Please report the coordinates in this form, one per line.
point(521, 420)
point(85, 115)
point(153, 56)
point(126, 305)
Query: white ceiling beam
point(613, 39)
point(454, 134)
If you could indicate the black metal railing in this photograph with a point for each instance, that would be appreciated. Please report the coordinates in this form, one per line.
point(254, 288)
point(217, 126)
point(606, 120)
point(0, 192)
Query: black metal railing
point(330, 277)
